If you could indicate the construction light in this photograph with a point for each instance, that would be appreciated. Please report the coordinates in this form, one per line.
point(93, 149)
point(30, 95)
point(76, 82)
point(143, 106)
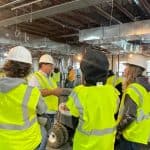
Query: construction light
point(5, 54)
point(79, 57)
point(130, 55)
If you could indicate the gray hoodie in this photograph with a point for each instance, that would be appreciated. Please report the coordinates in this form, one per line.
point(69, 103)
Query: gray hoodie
point(6, 84)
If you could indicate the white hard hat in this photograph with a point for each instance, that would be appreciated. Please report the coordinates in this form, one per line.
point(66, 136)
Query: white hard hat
point(46, 59)
point(20, 54)
point(137, 60)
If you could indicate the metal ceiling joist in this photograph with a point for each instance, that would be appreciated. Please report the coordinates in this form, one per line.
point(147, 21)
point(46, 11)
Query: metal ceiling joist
point(10, 3)
point(26, 4)
point(143, 6)
point(67, 19)
point(31, 31)
point(146, 5)
point(37, 29)
point(61, 24)
point(106, 15)
point(124, 10)
point(50, 11)
point(68, 35)
point(85, 16)
point(115, 32)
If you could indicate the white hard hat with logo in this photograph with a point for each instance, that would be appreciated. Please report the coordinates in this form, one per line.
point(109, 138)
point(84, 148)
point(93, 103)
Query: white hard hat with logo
point(20, 54)
point(46, 59)
point(137, 60)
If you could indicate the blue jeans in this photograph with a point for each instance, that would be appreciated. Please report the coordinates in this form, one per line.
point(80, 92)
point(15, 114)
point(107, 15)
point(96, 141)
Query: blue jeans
point(42, 146)
point(51, 120)
point(127, 145)
point(44, 131)
point(70, 84)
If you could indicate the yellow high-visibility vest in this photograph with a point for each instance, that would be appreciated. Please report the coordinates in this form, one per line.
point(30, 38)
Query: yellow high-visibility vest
point(95, 109)
point(139, 130)
point(19, 128)
point(48, 83)
point(56, 77)
point(114, 80)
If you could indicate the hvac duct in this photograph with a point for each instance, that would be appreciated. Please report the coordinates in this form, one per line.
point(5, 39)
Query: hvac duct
point(42, 44)
point(115, 37)
point(115, 32)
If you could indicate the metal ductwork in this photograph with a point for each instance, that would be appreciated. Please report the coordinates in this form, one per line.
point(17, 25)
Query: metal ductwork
point(40, 45)
point(43, 44)
point(115, 32)
point(8, 37)
point(115, 37)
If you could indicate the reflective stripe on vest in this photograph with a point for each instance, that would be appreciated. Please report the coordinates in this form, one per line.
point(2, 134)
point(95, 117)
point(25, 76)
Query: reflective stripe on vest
point(121, 111)
point(27, 122)
point(81, 122)
point(141, 116)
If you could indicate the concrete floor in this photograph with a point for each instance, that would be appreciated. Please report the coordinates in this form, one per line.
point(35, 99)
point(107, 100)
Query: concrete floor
point(64, 147)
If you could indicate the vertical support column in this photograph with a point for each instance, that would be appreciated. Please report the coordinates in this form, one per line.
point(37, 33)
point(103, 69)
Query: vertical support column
point(35, 64)
point(112, 62)
point(118, 60)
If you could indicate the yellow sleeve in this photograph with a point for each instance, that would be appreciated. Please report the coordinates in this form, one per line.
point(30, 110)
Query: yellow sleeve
point(72, 108)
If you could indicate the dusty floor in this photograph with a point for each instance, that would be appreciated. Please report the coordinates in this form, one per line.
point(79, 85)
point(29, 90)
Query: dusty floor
point(64, 147)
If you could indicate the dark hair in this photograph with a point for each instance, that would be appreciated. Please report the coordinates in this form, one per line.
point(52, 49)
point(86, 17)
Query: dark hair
point(56, 70)
point(16, 69)
point(110, 73)
point(94, 66)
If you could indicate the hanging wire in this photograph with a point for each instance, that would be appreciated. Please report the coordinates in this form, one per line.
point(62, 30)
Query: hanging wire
point(112, 8)
point(25, 37)
point(17, 32)
point(31, 19)
point(16, 13)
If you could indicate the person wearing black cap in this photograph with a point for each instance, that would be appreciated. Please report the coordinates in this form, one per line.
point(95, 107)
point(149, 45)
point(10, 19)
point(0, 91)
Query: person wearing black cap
point(95, 104)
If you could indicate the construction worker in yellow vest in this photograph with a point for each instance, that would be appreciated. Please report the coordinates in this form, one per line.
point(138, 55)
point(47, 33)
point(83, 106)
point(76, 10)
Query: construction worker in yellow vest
point(95, 104)
point(71, 76)
point(56, 76)
point(134, 113)
point(114, 80)
point(19, 104)
point(47, 85)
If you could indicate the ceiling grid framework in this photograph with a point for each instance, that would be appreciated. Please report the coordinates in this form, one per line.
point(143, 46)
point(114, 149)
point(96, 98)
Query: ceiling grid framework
point(62, 20)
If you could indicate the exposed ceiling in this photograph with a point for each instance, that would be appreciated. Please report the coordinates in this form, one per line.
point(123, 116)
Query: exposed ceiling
point(62, 20)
